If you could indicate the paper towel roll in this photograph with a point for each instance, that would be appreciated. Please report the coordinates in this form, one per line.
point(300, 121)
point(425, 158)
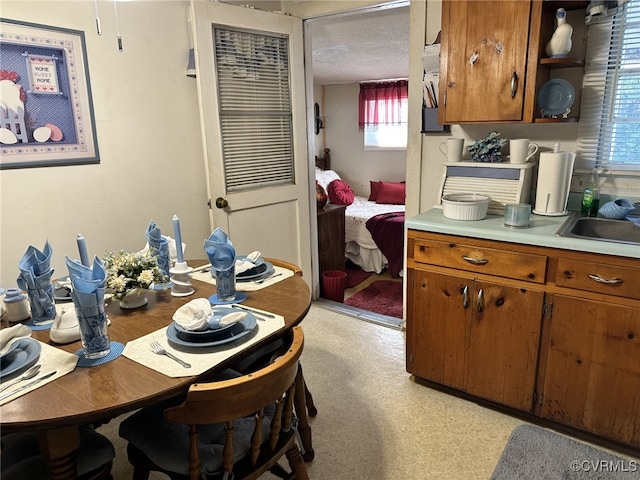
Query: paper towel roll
point(554, 178)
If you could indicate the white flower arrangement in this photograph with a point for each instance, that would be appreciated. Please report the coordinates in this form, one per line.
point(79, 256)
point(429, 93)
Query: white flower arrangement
point(130, 271)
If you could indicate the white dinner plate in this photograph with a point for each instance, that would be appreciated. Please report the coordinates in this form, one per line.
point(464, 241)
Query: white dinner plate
point(25, 354)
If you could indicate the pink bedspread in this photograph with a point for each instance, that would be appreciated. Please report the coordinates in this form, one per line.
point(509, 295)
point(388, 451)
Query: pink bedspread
point(387, 230)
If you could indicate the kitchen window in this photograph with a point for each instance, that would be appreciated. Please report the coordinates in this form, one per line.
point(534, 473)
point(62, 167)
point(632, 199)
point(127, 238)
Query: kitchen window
point(609, 131)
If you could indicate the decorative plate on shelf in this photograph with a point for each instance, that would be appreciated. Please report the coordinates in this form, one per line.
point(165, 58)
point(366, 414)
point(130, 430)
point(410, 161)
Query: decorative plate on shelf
point(556, 97)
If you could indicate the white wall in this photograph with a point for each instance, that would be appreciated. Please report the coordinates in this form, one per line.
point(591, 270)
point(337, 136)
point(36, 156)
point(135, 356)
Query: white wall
point(356, 165)
point(148, 134)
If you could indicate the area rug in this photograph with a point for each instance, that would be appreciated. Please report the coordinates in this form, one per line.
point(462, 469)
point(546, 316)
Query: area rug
point(533, 453)
point(382, 296)
point(355, 275)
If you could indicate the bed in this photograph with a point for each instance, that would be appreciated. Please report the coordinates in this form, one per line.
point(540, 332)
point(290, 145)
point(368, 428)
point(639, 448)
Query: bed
point(374, 231)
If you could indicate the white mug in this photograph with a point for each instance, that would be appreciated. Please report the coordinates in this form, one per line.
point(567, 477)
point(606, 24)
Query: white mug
point(452, 149)
point(521, 150)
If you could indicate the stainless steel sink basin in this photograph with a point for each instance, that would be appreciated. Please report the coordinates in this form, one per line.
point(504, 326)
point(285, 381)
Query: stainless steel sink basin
point(601, 229)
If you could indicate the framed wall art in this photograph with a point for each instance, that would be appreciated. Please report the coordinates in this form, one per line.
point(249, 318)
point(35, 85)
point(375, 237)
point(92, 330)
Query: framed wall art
point(46, 112)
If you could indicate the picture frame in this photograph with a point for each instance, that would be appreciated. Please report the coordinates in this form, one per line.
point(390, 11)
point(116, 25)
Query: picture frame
point(46, 109)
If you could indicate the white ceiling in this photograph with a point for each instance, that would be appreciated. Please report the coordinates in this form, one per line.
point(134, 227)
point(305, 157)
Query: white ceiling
point(360, 47)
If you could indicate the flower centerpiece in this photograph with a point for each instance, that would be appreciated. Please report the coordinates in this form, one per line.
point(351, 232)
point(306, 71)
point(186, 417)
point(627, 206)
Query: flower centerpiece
point(130, 274)
point(488, 149)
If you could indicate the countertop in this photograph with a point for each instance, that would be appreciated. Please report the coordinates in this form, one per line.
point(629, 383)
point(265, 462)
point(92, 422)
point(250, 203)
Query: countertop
point(541, 232)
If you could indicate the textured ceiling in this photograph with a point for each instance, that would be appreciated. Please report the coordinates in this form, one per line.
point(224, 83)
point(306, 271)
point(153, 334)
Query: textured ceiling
point(360, 47)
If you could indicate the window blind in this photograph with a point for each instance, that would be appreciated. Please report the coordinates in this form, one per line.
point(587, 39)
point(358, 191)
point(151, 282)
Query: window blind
point(609, 130)
point(254, 99)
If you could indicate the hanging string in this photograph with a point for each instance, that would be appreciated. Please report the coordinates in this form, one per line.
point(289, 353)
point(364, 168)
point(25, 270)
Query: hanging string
point(115, 9)
point(98, 25)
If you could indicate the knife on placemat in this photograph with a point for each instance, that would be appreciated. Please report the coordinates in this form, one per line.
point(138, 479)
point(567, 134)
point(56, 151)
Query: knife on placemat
point(30, 384)
point(253, 310)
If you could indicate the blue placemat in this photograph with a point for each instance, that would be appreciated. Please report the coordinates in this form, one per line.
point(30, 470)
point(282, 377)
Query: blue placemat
point(116, 351)
point(33, 326)
point(240, 297)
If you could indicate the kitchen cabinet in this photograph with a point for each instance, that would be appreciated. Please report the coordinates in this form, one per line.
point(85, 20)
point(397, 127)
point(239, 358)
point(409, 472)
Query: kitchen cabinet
point(492, 61)
point(550, 332)
point(479, 337)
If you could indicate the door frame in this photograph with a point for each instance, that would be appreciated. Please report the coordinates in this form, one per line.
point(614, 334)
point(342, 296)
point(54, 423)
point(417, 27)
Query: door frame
point(311, 144)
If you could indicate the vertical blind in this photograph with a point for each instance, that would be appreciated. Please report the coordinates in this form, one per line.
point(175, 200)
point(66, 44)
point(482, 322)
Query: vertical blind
point(609, 131)
point(254, 98)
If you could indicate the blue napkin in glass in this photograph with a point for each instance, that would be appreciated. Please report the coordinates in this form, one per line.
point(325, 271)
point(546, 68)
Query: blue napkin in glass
point(35, 278)
point(159, 245)
point(88, 298)
point(220, 251)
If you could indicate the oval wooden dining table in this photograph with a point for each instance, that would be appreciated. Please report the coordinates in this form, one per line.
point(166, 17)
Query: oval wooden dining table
point(98, 394)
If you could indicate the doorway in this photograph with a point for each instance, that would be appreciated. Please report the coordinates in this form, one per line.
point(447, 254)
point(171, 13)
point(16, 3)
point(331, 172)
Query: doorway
point(346, 48)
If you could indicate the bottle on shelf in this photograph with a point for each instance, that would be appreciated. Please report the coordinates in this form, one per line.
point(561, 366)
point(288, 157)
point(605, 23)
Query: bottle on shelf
point(591, 195)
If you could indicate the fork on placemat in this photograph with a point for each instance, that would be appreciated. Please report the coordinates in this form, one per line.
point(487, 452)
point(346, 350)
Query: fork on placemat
point(159, 350)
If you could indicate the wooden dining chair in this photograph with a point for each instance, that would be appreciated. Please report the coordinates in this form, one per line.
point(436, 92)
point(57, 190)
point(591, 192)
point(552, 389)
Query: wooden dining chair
point(237, 428)
point(304, 400)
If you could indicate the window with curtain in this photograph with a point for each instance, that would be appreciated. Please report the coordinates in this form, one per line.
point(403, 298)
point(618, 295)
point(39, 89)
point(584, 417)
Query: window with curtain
point(609, 131)
point(383, 114)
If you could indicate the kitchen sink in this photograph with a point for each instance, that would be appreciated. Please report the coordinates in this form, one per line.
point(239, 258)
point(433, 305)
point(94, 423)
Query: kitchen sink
point(601, 229)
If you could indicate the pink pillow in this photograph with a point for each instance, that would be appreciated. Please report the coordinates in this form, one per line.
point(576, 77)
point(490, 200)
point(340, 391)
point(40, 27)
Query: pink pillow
point(375, 188)
point(391, 193)
point(340, 192)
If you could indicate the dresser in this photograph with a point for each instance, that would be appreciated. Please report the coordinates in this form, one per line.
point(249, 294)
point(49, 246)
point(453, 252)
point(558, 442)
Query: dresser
point(331, 237)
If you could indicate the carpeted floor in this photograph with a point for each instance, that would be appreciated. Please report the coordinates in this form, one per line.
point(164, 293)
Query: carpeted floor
point(382, 296)
point(355, 275)
point(534, 453)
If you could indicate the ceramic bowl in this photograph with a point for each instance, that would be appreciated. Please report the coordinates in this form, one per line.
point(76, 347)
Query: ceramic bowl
point(465, 206)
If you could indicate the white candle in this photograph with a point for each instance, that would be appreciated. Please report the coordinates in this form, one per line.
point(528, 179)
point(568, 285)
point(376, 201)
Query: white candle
point(176, 232)
point(82, 248)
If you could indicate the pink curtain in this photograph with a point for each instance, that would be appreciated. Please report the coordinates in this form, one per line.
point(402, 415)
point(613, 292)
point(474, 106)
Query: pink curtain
point(380, 103)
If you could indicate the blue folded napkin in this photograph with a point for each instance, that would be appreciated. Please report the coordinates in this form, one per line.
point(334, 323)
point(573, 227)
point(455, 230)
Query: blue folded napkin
point(159, 245)
point(35, 278)
point(88, 283)
point(220, 251)
point(35, 261)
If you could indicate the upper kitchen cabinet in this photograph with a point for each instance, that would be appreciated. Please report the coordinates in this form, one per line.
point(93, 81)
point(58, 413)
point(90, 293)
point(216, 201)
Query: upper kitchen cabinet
point(492, 60)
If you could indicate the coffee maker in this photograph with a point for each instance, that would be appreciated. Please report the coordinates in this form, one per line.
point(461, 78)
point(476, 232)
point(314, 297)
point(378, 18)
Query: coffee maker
point(554, 182)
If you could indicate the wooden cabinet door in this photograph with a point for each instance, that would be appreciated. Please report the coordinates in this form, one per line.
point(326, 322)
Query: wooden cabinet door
point(437, 335)
point(592, 379)
point(503, 344)
point(484, 44)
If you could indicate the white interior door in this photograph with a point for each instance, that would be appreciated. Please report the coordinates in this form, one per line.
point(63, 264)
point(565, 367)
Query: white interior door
point(250, 75)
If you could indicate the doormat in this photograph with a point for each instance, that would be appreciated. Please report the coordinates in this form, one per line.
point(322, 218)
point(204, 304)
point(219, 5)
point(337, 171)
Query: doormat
point(382, 296)
point(355, 275)
point(533, 453)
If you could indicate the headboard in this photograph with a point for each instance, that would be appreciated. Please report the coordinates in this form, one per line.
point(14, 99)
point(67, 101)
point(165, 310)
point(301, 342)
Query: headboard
point(324, 162)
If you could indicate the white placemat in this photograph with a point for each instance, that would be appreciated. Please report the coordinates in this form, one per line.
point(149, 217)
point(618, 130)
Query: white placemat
point(51, 359)
point(201, 359)
point(279, 274)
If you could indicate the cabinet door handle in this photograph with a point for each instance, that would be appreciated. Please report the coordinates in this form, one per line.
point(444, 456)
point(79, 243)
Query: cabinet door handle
point(514, 84)
point(465, 297)
point(480, 301)
point(609, 281)
point(475, 261)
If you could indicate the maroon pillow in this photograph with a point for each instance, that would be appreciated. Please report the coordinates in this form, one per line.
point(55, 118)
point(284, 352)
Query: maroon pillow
point(375, 188)
point(340, 193)
point(391, 193)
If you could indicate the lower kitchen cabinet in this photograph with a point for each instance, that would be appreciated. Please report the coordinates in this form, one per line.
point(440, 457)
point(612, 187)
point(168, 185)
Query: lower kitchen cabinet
point(592, 377)
point(549, 332)
point(478, 337)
